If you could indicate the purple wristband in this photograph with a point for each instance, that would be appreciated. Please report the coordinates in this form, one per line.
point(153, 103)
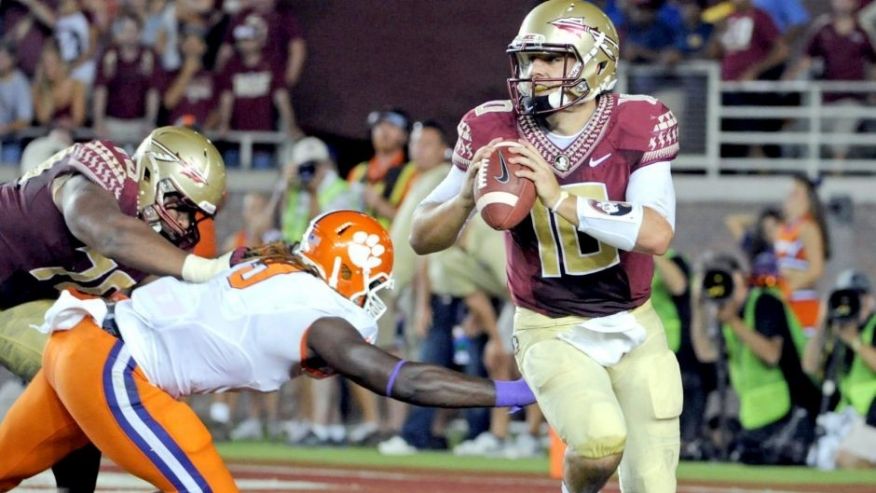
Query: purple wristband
point(513, 393)
point(392, 377)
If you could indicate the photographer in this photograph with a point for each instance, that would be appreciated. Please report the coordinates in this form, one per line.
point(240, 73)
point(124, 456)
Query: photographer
point(778, 402)
point(310, 186)
point(845, 358)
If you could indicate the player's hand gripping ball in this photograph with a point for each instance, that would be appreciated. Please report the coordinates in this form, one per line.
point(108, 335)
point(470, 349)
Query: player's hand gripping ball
point(503, 198)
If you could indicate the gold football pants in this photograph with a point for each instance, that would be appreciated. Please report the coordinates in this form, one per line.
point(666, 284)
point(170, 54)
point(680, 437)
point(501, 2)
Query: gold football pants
point(631, 407)
point(21, 347)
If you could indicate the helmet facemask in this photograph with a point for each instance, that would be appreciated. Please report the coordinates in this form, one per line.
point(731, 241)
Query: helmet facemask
point(181, 182)
point(578, 31)
point(162, 221)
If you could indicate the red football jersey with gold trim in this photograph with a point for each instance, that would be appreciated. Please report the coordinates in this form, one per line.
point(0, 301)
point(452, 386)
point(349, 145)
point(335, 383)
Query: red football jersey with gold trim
point(552, 267)
point(40, 255)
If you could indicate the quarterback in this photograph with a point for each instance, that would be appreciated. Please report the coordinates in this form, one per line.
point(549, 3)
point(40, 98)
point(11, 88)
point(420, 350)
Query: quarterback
point(111, 374)
point(579, 267)
point(97, 220)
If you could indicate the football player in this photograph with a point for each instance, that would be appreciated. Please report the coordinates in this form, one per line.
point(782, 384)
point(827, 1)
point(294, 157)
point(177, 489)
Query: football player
point(97, 220)
point(312, 310)
point(579, 267)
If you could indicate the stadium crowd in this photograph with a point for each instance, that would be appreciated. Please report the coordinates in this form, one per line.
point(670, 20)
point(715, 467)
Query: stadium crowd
point(115, 69)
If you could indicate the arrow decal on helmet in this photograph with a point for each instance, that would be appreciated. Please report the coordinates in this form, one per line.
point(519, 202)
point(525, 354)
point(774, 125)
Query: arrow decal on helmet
point(187, 169)
point(572, 25)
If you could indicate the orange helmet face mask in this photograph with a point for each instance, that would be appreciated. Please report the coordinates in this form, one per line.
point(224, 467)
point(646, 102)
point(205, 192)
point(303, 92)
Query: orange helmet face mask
point(353, 253)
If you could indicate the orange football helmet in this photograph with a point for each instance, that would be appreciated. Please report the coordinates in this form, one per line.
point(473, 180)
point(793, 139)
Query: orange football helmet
point(353, 253)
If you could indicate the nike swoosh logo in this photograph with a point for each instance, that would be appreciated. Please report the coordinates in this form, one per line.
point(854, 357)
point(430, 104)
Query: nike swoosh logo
point(596, 162)
point(503, 178)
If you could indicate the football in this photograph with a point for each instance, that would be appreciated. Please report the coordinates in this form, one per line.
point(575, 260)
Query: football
point(502, 198)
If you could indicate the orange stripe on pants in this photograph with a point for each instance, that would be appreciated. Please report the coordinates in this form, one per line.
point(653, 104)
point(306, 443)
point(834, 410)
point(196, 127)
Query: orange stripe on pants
point(76, 397)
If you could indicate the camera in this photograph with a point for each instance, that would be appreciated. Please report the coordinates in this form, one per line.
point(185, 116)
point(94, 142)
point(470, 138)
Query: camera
point(306, 172)
point(717, 284)
point(843, 306)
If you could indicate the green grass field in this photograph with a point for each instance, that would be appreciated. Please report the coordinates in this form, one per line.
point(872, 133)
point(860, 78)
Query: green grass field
point(369, 457)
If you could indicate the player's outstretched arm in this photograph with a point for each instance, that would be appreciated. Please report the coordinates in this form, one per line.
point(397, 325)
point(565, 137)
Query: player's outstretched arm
point(93, 216)
point(339, 346)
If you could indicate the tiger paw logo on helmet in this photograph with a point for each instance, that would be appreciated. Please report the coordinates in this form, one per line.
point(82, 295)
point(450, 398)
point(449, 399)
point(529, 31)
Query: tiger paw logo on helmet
point(365, 250)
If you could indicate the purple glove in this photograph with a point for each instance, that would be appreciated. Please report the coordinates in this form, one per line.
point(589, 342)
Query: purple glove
point(515, 393)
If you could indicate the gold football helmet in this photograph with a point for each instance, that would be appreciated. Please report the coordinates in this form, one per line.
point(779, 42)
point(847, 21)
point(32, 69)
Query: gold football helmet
point(576, 30)
point(180, 170)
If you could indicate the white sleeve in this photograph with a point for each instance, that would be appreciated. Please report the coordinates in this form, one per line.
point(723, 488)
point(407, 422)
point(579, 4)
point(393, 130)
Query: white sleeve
point(448, 188)
point(652, 187)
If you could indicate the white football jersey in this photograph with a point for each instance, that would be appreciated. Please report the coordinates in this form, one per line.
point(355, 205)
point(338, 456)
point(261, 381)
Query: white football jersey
point(243, 329)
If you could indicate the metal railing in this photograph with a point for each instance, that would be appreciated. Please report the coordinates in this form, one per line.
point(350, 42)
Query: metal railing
point(805, 142)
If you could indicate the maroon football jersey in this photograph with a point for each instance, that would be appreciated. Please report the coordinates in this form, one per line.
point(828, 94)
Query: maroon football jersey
point(40, 255)
point(553, 268)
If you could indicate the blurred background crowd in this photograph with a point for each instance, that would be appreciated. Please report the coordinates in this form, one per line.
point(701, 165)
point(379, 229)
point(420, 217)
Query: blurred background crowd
point(313, 105)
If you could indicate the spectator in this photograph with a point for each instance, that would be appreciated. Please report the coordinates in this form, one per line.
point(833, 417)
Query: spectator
point(22, 27)
point(101, 14)
point(126, 98)
point(190, 93)
point(778, 402)
point(310, 187)
point(384, 179)
point(74, 34)
point(749, 45)
point(803, 248)
point(693, 40)
point(649, 37)
point(755, 234)
point(251, 88)
point(77, 39)
point(160, 29)
point(206, 14)
point(428, 150)
point(16, 105)
point(846, 54)
point(846, 354)
point(58, 99)
point(383, 182)
point(284, 43)
point(789, 16)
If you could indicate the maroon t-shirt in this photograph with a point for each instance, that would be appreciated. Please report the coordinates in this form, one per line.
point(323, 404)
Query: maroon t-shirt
point(31, 45)
point(253, 90)
point(282, 26)
point(748, 39)
point(40, 255)
point(844, 57)
point(553, 268)
point(127, 82)
point(199, 97)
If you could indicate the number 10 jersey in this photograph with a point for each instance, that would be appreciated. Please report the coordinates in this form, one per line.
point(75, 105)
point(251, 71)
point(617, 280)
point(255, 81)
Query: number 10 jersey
point(553, 268)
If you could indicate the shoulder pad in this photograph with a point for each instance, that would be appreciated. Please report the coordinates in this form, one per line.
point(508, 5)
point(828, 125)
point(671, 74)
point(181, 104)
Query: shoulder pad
point(647, 125)
point(481, 125)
